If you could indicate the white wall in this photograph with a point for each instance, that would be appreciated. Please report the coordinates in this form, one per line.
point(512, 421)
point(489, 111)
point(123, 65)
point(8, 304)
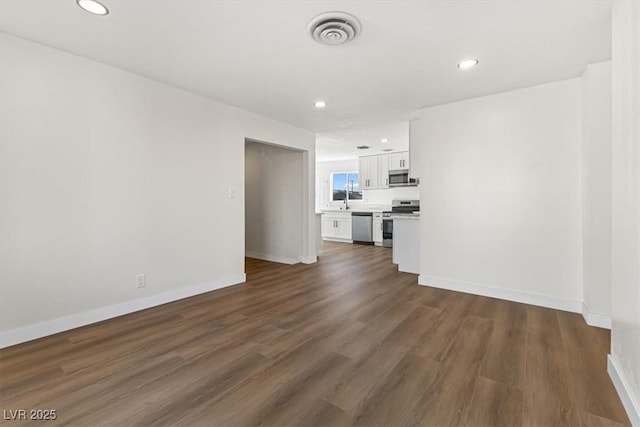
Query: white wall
point(105, 175)
point(625, 281)
point(273, 203)
point(500, 194)
point(596, 192)
point(382, 197)
point(386, 195)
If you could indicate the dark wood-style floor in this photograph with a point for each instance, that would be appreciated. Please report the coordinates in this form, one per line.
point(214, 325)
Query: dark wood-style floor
point(346, 341)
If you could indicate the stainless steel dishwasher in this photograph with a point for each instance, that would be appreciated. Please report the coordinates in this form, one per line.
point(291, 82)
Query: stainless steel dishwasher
point(362, 227)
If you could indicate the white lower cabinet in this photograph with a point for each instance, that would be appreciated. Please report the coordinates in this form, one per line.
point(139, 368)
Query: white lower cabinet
point(377, 229)
point(344, 228)
point(336, 226)
point(328, 227)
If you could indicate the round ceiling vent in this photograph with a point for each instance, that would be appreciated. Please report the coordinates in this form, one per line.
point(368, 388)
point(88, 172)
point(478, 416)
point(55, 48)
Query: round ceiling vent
point(362, 147)
point(334, 28)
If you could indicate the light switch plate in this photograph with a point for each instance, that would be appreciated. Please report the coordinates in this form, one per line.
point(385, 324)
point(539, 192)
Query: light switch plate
point(141, 280)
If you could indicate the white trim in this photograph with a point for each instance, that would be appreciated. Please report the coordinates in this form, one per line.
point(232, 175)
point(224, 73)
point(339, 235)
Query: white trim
point(334, 239)
point(50, 327)
point(629, 401)
point(506, 294)
point(272, 258)
point(308, 259)
point(596, 319)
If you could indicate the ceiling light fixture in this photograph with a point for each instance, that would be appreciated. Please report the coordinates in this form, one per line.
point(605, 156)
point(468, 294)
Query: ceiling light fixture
point(319, 104)
point(467, 63)
point(93, 6)
point(384, 140)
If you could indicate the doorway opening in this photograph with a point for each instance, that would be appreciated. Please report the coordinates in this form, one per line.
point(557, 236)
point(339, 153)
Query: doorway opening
point(274, 202)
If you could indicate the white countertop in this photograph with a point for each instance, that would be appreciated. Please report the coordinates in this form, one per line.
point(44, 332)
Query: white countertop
point(411, 217)
point(377, 209)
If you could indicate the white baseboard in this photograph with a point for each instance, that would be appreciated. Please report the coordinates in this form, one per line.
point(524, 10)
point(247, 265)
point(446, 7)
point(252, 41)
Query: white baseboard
point(629, 401)
point(593, 318)
point(308, 259)
point(272, 258)
point(50, 327)
point(331, 239)
point(505, 294)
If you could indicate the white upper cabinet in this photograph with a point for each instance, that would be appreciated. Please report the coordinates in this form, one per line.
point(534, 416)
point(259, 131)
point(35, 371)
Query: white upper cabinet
point(374, 170)
point(399, 160)
point(383, 171)
point(368, 172)
point(363, 171)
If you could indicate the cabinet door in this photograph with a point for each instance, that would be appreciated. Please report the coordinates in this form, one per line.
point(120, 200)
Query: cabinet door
point(328, 227)
point(363, 171)
point(344, 229)
point(405, 160)
point(399, 160)
point(377, 231)
point(395, 161)
point(373, 172)
point(368, 172)
point(383, 171)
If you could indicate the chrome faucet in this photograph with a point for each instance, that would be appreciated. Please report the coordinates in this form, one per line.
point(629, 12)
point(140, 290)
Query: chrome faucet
point(346, 197)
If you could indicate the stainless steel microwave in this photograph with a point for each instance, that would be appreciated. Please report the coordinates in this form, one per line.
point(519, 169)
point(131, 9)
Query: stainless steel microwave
point(400, 178)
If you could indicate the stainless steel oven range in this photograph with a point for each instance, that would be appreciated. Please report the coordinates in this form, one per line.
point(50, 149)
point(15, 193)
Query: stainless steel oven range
point(398, 207)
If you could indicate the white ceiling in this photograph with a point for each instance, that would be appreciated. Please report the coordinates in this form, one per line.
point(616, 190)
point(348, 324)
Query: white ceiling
point(341, 144)
point(256, 54)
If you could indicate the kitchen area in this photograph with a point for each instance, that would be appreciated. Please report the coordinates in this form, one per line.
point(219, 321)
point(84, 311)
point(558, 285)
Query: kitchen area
point(366, 193)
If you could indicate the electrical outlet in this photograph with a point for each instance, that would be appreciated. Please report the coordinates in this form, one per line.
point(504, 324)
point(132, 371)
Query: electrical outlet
point(232, 193)
point(141, 280)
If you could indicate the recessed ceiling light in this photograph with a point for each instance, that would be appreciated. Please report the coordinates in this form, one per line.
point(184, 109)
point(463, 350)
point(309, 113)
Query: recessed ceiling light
point(467, 63)
point(319, 104)
point(93, 6)
point(384, 140)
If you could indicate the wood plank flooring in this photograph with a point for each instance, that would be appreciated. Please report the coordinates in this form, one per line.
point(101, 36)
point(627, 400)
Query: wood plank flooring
point(346, 341)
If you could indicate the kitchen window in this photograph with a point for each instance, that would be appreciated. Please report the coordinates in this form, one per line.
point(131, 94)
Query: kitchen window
point(345, 185)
